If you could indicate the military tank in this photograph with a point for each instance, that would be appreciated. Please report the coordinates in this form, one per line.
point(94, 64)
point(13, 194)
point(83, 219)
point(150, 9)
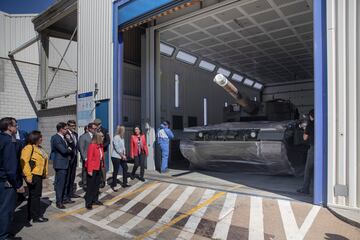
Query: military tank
point(269, 144)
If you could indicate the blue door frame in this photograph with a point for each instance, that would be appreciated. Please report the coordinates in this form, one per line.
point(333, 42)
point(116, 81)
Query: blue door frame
point(320, 80)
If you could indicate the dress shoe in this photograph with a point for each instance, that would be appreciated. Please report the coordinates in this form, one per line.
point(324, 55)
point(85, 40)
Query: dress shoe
point(60, 206)
point(75, 196)
point(98, 203)
point(102, 185)
point(88, 206)
point(40, 220)
point(132, 176)
point(13, 238)
point(68, 201)
point(142, 179)
point(125, 185)
point(28, 224)
point(113, 188)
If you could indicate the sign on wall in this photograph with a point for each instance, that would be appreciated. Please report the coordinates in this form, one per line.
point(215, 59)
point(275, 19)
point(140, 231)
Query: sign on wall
point(85, 108)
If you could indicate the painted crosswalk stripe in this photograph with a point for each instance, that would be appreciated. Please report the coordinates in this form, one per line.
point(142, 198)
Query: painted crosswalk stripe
point(101, 208)
point(256, 223)
point(194, 220)
point(129, 205)
point(292, 231)
point(171, 212)
point(146, 211)
point(225, 217)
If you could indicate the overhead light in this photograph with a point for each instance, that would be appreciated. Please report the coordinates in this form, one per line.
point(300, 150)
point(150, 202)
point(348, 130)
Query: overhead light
point(166, 49)
point(224, 72)
point(237, 77)
point(248, 82)
point(207, 66)
point(186, 57)
point(258, 86)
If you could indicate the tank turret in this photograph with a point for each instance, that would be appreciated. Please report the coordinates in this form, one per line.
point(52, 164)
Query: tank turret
point(249, 106)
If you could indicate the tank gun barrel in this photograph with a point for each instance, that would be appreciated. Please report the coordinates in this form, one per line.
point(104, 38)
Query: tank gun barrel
point(249, 106)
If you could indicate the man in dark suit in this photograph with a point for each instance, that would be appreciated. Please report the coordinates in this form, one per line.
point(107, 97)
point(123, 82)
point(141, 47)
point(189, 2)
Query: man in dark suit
point(71, 138)
point(60, 154)
point(84, 142)
point(10, 177)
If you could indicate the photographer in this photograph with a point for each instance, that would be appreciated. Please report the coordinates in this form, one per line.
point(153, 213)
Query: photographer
point(309, 167)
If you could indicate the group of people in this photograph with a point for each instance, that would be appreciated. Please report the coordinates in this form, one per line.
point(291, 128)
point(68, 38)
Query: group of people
point(23, 159)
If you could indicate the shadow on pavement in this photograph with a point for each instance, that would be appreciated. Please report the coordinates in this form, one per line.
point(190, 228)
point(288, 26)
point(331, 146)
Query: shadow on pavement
point(20, 216)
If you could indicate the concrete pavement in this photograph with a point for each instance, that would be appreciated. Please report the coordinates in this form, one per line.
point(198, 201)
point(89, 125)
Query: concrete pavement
point(165, 210)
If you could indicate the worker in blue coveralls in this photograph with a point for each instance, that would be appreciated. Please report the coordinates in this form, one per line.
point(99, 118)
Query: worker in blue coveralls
point(164, 135)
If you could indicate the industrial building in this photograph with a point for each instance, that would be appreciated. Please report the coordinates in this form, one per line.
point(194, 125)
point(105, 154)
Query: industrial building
point(142, 65)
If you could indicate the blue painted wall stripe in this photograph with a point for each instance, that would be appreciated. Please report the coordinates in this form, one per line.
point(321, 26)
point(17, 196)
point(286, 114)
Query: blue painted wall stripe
point(320, 79)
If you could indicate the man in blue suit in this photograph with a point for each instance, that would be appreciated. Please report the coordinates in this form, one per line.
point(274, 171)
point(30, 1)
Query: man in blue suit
point(10, 177)
point(60, 154)
point(164, 135)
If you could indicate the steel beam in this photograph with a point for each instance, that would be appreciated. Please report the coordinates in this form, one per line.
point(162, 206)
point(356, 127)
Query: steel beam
point(23, 83)
point(25, 45)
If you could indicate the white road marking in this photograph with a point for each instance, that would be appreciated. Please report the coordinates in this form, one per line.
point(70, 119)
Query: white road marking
point(175, 208)
point(292, 231)
point(256, 222)
point(129, 205)
point(146, 211)
point(225, 217)
point(194, 220)
point(101, 208)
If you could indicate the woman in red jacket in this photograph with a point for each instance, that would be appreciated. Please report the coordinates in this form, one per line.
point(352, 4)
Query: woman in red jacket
point(93, 164)
point(138, 151)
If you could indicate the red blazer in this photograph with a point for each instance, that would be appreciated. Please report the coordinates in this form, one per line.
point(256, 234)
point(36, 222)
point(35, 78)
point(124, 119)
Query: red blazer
point(93, 161)
point(134, 145)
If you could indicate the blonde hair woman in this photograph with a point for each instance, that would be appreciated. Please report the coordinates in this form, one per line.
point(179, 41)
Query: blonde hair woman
point(94, 163)
point(118, 157)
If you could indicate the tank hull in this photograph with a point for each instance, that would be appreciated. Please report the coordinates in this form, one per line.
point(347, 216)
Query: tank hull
point(256, 147)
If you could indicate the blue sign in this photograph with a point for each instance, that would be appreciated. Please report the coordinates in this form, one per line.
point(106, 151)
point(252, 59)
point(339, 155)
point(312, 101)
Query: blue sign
point(85, 108)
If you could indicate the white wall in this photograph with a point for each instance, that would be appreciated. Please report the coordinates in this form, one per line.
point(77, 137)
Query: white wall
point(343, 34)
point(14, 31)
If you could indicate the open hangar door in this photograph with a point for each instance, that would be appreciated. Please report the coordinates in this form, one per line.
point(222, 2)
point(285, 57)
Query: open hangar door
point(265, 49)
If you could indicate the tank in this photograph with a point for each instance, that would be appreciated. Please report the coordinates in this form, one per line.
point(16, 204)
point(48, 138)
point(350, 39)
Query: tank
point(259, 146)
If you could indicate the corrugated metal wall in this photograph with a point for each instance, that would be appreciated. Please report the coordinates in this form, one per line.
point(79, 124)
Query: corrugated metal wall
point(343, 24)
point(95, 47)
point(14, 31)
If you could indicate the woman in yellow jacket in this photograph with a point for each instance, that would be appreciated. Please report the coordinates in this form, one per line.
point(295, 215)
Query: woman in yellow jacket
point(34, 163)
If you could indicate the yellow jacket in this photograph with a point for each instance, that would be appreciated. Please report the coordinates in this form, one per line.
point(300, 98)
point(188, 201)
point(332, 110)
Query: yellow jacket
point(41, 162)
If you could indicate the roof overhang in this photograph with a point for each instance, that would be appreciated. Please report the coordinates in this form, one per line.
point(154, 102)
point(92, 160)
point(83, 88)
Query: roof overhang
point(59, 20)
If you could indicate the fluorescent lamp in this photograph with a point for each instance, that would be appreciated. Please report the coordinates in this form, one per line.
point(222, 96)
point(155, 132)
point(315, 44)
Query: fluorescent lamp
point(248, 82)
point(166, 49)
point(258, 86)
point(207, 66)
point(237, 77)
point(224, 72)
point(186, 57)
